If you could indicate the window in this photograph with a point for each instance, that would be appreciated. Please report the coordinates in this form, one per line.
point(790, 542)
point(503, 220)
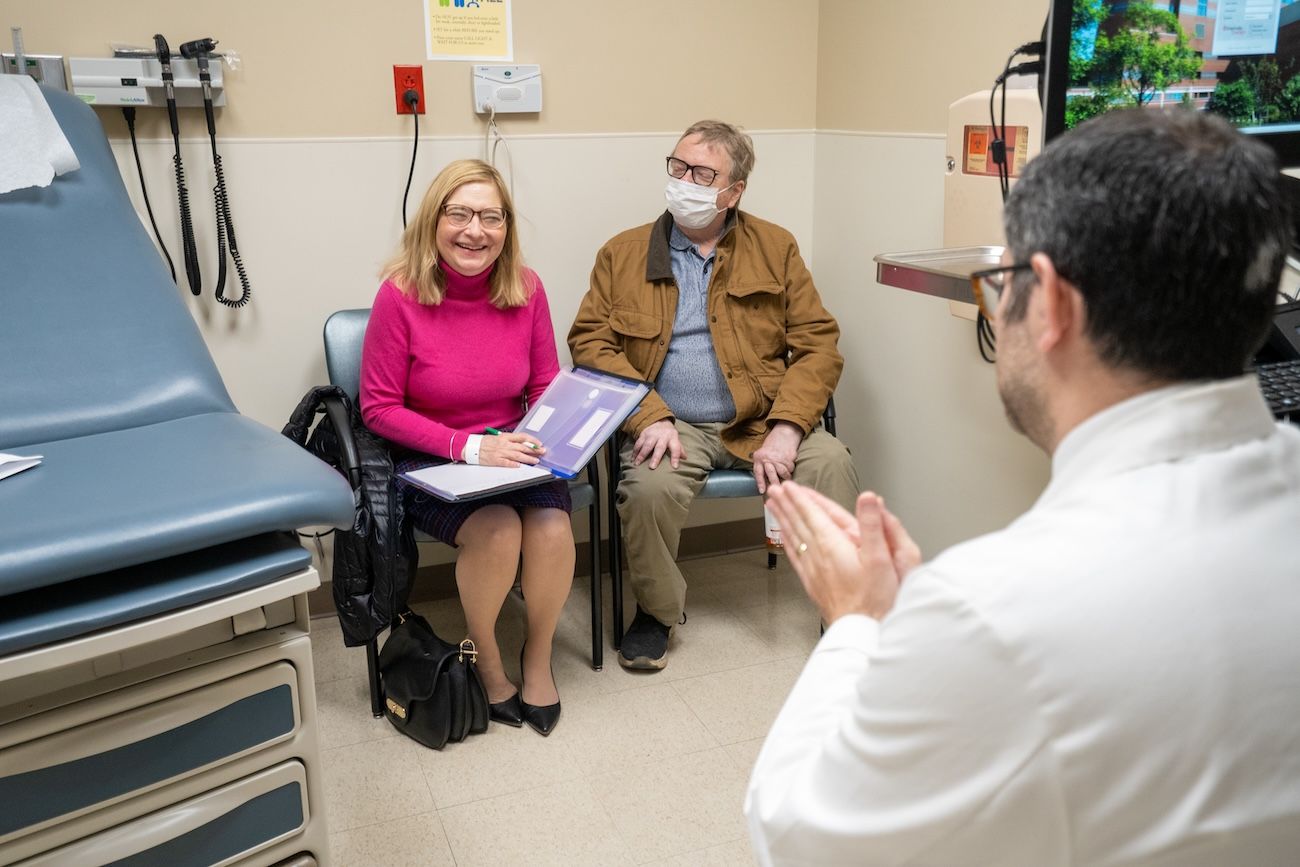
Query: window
point(1202, 9)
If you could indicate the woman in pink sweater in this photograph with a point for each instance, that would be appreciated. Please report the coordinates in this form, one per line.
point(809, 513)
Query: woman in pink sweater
point(460, 340)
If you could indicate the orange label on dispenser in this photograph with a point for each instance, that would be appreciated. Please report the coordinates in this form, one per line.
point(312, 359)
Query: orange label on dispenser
point(977, 145)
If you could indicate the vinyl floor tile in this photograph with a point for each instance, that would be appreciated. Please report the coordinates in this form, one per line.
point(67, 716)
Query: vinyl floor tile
point(737, 853)
point(501, 761)
point(374, 782)
point(740, 705)
point(343, 712)
point(563, 825)
point(676, 805)
point(413, 841)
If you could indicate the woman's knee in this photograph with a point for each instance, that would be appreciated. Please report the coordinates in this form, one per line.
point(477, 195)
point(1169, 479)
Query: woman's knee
point(551, 529)
point(493, 528)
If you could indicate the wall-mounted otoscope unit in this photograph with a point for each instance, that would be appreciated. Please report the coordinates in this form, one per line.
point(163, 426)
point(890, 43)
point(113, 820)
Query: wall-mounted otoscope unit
point(138, 81)
point(155, 78)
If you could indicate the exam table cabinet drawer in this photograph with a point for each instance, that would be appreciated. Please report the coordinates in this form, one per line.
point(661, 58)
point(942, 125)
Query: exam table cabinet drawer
point(88, 765)
point(228, 825)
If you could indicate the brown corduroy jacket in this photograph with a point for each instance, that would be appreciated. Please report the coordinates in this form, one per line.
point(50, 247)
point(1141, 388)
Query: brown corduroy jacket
point(774, 340)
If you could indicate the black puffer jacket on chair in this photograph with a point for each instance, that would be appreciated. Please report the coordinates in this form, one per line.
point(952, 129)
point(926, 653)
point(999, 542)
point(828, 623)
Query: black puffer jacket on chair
point(374, 560)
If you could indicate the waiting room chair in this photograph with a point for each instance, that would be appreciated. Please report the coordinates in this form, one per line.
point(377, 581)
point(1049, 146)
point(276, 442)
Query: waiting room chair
point(718, 484)
point(345, 331)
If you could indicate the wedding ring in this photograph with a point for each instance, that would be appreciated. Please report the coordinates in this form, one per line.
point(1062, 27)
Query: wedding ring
point(803, 548)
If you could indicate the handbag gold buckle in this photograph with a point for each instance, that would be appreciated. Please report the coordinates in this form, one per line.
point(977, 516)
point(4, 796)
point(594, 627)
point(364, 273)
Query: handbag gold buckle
point(397, 709)
point(467, 649)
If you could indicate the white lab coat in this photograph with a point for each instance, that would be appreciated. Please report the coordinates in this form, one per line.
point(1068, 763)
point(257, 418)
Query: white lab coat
point(1112, 679)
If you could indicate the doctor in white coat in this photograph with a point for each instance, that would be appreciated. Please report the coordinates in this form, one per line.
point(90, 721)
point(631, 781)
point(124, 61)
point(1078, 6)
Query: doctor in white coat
point(1115, 677)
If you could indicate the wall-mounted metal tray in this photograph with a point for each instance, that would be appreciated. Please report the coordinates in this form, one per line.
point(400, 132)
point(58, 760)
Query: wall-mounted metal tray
point(942, 273)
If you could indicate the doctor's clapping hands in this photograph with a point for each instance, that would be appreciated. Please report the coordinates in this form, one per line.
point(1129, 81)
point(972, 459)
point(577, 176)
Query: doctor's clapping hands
point(848, 564)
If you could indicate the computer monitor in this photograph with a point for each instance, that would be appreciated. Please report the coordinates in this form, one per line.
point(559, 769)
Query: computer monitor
point(1239, 58)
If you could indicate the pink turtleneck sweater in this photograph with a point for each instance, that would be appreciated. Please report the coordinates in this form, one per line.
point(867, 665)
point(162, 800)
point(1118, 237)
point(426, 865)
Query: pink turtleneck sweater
point(433, 375)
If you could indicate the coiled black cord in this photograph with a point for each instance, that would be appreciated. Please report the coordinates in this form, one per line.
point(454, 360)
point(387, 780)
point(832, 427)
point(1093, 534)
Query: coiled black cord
point(192, 273)
point(128, 112)
point(220, 197)
point(226, 233)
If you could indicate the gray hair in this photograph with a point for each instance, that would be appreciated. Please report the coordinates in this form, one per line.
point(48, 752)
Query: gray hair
point(737, 143)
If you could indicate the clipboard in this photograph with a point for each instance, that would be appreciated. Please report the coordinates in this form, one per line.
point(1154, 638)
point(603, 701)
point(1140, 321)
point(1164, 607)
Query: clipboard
point(459, 482)
point(577, 413)
point(572, 419)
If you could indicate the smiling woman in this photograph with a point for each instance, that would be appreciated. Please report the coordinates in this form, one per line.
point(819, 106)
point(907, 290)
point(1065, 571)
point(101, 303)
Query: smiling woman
point(460, 331)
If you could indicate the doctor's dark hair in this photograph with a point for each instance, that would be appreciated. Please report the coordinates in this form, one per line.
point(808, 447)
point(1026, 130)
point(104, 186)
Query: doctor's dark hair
point(414, 268)
point(1173, 227)
point(731, 138)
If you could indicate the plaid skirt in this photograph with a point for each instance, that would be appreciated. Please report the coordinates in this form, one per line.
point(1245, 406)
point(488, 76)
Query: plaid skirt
point(442, 520)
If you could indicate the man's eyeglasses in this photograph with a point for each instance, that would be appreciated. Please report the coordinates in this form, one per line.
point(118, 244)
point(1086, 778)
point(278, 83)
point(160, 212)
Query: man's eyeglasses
point(988, 285)
point(702, 175)
point(459, 216)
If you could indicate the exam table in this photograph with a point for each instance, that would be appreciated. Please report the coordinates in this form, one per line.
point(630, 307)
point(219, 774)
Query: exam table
point(156, 690)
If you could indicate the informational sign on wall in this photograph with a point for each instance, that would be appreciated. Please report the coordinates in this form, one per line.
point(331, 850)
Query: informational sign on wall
point(977, 141)
point(468, 30)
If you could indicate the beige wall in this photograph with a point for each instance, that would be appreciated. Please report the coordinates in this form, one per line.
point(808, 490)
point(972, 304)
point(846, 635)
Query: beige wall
point(324, 68)
point(895, 67)
point(316, 161)
point(919, 408)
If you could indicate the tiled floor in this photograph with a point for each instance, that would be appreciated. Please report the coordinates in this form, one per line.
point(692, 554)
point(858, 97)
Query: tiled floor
point(642, 768)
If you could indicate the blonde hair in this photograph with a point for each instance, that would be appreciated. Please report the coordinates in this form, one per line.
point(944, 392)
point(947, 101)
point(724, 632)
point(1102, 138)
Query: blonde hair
point(414, 269)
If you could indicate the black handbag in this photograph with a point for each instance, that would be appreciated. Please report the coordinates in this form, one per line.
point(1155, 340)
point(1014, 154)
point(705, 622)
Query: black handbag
point(432, 691)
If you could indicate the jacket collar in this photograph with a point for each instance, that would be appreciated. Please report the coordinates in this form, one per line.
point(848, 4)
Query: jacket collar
point(1161, 426)
point(659, 258)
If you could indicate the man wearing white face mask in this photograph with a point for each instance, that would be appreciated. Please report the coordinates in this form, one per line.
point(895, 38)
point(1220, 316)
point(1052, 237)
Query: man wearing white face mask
point(716, 307)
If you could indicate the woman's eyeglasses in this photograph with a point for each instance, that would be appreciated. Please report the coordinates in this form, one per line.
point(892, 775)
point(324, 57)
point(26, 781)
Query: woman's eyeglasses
point(988, 285)
point(460, 216)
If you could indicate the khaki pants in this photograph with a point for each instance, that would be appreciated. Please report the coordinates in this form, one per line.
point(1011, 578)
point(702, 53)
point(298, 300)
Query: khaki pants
point(653, 504)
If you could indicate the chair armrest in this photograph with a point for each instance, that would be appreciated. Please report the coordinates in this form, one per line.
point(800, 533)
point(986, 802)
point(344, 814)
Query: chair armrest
point(349, 461)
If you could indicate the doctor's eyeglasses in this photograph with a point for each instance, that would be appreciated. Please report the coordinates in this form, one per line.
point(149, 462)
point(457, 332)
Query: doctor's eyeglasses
point(989, 283)
point(702, 175)
point(459, 216)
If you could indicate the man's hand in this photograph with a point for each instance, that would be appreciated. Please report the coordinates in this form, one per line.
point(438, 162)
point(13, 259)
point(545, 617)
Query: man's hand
point(774, 460)
point(509, 450)
point(657, 440)
point(848, 565)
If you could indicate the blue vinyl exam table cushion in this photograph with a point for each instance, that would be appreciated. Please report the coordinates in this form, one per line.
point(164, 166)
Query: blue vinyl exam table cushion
point(154, 493)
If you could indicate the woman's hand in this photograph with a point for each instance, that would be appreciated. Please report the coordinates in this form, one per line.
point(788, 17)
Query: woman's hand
point(509, 450)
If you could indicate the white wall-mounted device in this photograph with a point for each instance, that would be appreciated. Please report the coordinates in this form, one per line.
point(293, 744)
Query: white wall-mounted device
point(507, 89)
point(138, 81)
point(45, 68)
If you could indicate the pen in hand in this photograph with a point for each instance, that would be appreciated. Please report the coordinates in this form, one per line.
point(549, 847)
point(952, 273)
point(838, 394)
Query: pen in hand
point(491, 431)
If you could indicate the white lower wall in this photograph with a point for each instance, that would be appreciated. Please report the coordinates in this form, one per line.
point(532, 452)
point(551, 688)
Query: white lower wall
point(917, 404)
point(315, 219)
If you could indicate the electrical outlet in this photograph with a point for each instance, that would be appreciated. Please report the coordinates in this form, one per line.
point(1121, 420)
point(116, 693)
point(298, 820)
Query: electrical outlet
point(408, 78)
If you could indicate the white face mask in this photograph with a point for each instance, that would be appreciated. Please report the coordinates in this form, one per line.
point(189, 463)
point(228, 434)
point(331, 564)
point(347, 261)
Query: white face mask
point(693, 206)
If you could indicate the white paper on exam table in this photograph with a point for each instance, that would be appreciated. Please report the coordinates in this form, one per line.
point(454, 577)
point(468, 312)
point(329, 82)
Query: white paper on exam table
point(10, 464)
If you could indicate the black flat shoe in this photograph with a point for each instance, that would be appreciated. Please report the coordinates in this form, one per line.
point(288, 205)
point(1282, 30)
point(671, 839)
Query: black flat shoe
point(541, 719)
point(510, 711)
